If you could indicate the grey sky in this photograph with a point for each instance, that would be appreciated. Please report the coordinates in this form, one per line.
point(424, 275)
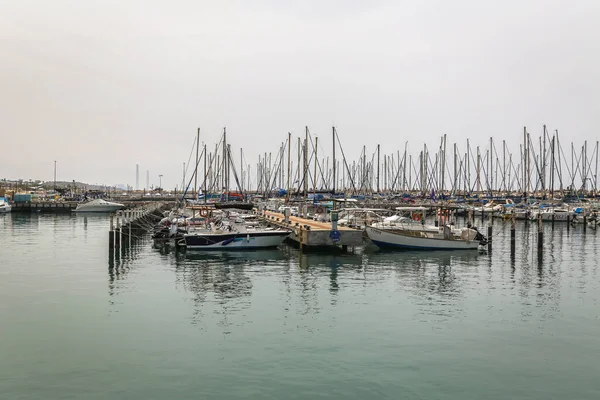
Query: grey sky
point(101, 85)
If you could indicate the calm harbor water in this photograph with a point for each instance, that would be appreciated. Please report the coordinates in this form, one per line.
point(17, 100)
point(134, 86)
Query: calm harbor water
point(153, 324)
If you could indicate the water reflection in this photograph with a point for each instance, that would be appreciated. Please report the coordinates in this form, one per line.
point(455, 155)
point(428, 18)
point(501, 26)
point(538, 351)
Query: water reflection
point(438, 283)
point(121, 261)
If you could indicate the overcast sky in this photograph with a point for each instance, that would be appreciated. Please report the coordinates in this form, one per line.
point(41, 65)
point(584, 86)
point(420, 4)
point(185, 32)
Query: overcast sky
point(102, 85)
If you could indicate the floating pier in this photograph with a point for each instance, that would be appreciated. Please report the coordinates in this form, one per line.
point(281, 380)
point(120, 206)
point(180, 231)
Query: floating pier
point(314, 234)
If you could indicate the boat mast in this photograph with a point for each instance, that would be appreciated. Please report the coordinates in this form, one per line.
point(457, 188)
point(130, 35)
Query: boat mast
point(289, 165)
point(305, 163)
point(333, 165)
point(315, 169)
point(205, 176)
point(378, 154)
point(196, 168)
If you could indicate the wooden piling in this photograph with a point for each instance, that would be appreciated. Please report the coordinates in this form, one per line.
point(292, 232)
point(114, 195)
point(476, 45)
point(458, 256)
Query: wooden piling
point(512, 235)
point(111, 234)
point(118, 234)
point(540, 233)
point(584, 223)
point(129, 228)
point(489, 237)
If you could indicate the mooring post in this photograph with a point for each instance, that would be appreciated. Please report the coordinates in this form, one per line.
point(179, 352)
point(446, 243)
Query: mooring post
point(111, 234)
point(512, 235)
point(129, 228)
point(553, 220)
point(568, 223)
point(584, 223)
point(489, 237)
point(118, 233)
point(540, 233)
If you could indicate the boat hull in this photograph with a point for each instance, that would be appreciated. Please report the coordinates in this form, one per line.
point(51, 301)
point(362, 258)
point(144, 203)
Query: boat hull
point(235, 241)
point(558, 217)
point(398, 240)
point(99, 209)
point(5, 209)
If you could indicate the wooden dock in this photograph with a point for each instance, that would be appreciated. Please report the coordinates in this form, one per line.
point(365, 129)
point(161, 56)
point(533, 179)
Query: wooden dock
point(314, 234)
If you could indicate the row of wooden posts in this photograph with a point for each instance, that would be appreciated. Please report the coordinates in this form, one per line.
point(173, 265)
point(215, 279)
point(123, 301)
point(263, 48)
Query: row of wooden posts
point(126, 225)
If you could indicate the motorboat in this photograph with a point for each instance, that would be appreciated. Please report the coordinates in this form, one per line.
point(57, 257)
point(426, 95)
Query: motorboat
point(234, 232)
point(234, 240)
point(552, 213)
point(412, 233)
point(5, 206)
point(99, 205)
point(446, 238)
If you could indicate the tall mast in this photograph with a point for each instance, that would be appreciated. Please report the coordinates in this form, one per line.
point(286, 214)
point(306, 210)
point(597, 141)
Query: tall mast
point(491, 171)
point(289, 164)
point(333, 164)
point(225, 165)
point(242, 170)
point(315, 172)
point(205, 176)
point(377, 168)
point(443, 166)
point(504, 165)
point(455, 183)
point(196, 167)
point(306, 163)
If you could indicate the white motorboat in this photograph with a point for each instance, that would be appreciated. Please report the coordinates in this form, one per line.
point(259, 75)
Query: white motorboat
point(99, 205)
point(234, 231)
point(445, 239)
point(219, 240)
point(5, 206)
point(550, 213)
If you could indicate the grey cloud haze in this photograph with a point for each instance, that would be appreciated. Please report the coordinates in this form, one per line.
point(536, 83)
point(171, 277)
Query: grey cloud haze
point(103, 85)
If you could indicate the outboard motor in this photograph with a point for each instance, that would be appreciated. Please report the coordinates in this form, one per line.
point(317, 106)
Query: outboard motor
point(483, 241)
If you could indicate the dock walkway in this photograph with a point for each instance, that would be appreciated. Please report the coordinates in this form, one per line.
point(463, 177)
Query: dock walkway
point(314, 234)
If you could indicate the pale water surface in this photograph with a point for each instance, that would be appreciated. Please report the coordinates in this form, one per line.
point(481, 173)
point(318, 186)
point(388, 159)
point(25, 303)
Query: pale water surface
point(277, 325)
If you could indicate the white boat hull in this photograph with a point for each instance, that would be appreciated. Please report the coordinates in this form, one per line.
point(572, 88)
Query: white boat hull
point(547, 217)
point(4, 209)
point(99, 206)
point(235, 241)
point(99, 209)
point(412, 240)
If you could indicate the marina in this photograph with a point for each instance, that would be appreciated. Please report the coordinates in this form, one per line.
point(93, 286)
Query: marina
point(216, 314)
point(299, 200)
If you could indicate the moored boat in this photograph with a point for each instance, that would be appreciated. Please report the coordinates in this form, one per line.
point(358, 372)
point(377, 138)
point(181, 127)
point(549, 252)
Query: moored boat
point(233, 240)
point(5, 206)
point(99, 205)
point(445, 239)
